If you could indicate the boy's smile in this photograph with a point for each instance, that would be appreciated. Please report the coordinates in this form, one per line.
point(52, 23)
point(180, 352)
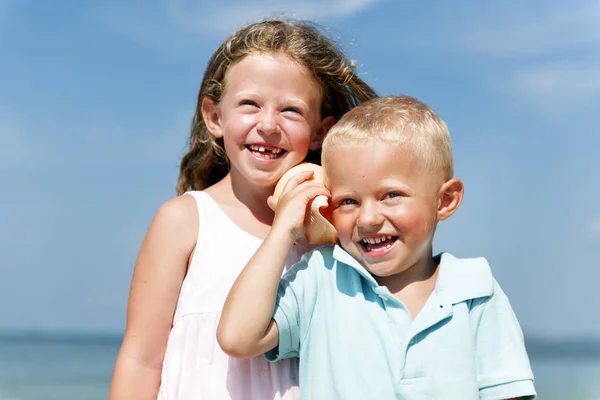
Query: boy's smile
point(379, 245)
point(384, 204)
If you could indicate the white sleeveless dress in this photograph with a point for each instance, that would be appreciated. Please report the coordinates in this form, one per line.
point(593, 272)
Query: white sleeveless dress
point(195, 367)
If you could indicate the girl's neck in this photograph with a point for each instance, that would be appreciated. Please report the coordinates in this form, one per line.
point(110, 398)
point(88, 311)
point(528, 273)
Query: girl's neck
point(234, 193)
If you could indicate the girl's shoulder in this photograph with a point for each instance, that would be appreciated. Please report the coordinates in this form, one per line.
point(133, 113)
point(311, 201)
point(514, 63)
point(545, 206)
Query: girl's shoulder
point(179, 209)
point(186, 211)
point(178, 216)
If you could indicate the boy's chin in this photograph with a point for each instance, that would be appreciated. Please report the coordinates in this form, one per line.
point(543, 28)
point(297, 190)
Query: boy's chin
point(301, 241)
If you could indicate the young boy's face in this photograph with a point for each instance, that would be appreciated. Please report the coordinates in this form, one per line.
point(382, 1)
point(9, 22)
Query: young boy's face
point(384, 204)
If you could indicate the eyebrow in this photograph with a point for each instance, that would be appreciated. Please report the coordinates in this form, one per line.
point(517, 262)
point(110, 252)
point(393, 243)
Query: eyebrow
point(384, 187)
point(294, 101)
point(391, 186)
point(343, 194)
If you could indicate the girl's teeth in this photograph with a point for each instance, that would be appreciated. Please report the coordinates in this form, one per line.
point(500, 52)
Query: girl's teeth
point(265, 152)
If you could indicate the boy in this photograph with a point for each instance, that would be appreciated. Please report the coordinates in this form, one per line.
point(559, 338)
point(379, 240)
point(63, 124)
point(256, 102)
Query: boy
point(377, 316)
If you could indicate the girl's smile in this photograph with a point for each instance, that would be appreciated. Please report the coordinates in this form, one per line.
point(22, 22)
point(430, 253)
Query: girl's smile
point(268, 117)
point(265, 152)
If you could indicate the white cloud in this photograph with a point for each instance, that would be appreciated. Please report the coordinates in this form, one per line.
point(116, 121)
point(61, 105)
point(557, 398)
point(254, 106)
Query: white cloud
point(529, 30)
point(13, 142)
point(110, 142)
point(172, 25)
point(546, 55)
point(198, 16)
point(559, 84)
point(103, 141)
point(5, 6)
point(593, 228)
point(142, 24)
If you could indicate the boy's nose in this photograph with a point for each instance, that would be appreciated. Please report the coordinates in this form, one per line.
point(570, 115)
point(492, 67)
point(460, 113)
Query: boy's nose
point(369, 218)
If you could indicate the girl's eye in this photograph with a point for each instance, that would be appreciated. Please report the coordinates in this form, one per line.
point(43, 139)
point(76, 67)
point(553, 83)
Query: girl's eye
point(392, 195)
point(292, 109)
point(248, 103)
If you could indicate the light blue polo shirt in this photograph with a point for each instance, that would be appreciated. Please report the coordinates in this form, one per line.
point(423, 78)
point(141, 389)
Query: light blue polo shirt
point(355, 340)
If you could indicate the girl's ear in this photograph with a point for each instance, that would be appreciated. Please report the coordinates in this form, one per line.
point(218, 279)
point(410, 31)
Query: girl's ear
point(212, 117)
point(317, 140)
point(450, 196)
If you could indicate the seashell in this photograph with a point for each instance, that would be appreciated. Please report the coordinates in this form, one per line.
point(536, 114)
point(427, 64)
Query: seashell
point(318, 228)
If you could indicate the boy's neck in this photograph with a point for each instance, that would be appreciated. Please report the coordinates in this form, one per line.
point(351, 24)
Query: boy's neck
point(414, 285)
point(424, 270)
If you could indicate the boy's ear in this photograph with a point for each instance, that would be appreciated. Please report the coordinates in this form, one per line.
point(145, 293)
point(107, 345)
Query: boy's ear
point(450, 196)
point(212, 117)
point(317, 140)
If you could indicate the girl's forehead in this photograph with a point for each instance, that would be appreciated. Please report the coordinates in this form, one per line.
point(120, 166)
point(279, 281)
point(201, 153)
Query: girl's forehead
point(276, 60)
point(279, 57)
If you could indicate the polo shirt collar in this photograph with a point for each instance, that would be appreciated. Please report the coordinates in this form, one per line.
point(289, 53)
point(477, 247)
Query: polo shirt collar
point(459, 279)
point(341, 255)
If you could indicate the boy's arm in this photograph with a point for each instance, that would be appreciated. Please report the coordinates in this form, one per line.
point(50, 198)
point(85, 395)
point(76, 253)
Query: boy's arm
point(503, 367)
point(246, 328)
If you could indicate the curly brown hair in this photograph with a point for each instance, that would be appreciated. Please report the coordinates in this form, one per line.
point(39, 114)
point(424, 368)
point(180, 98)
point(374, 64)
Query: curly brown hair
point(206, 163)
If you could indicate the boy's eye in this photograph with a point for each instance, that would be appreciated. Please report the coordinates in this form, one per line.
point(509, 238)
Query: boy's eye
point(346, 202)
point(392, 195)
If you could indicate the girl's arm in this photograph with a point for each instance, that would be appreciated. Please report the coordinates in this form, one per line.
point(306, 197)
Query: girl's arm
point(158, 274)
point(246, 328)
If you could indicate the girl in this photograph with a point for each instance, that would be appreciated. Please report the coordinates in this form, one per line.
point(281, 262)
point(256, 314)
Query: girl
point(269, 94)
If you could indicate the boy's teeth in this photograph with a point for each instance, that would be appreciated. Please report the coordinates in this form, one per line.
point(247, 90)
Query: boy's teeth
point(377, 239)
point(379, 243)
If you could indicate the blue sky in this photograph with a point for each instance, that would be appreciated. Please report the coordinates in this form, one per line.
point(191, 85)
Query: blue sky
point(96, 99)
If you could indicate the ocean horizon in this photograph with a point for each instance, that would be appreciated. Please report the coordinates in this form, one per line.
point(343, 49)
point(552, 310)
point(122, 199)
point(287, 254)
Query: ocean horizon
point(43, 365)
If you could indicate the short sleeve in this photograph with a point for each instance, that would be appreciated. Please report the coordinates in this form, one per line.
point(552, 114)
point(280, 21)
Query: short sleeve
point(503, 368)
point(296, 298)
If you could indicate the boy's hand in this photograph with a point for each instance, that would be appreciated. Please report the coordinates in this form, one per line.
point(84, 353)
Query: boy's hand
point(291, 208)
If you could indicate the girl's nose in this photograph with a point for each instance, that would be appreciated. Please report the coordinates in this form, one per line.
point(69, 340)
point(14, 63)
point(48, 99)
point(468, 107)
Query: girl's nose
point(268, 124)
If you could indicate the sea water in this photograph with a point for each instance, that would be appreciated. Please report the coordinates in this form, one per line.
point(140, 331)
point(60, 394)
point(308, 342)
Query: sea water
point(79, 367)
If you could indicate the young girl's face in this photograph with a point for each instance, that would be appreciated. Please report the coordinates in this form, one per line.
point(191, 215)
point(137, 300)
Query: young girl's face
point(269, 117)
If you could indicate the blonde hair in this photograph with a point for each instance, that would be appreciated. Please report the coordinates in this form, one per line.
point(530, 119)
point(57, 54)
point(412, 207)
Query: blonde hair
point(400, 121)
point(206, 163)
